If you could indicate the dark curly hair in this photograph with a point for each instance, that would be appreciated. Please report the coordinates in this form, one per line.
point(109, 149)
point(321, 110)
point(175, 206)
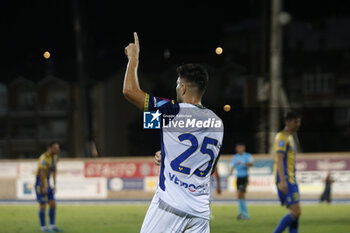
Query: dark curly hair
point(50, 144)
point(195, 74)
point(291, 115)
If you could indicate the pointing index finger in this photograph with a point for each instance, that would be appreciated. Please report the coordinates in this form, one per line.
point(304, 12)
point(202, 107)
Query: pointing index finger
point(136, 39)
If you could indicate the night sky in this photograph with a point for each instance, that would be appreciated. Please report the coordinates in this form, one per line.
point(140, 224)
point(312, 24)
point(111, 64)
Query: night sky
point(190, 31)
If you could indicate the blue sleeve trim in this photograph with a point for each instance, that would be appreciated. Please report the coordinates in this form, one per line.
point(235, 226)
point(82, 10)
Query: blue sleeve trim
point(160, 103)
point(161, 174)
point(281, 143)
point(281, 151)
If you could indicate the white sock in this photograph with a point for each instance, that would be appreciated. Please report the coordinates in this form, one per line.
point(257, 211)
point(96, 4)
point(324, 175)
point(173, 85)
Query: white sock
point(52, 226)
point(43, 228)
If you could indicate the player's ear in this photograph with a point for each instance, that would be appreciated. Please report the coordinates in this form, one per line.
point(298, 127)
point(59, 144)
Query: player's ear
point(183, 88)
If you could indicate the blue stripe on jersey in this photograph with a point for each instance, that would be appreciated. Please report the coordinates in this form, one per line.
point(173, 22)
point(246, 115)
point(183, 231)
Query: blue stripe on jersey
point(160, 103)
point(281, 151)
point(285, 163)
point(161, 175)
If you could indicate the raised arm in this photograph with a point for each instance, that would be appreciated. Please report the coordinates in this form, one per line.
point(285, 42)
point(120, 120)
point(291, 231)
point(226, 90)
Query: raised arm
point(131, 87)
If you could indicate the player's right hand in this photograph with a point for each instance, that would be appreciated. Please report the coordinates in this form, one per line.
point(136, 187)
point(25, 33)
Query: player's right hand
point(44, 191)
point(284, 187)
point(218, 189)
point(133, 49)
point(157, 158)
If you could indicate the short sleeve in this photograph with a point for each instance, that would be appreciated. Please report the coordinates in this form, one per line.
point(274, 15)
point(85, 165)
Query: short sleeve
point(165, 106)
point(250, 158)
point(234, 161)
point(280, 144)
point(42, 163)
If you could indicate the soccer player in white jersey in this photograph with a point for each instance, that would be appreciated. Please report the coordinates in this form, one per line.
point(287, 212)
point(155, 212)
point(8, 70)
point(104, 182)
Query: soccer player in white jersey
point(191, 137)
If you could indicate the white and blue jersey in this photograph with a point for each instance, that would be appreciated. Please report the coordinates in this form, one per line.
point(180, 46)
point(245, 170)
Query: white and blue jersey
point(191, 137)
point(239, 161)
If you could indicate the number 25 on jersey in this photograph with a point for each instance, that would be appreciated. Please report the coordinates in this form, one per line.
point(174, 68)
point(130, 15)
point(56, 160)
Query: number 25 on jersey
point(176, 163)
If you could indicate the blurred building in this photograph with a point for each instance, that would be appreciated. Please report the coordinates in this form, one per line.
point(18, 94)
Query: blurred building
point(315, 79)
point(34, 114)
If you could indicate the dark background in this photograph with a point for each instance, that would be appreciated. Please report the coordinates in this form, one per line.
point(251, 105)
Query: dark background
point(315, 42)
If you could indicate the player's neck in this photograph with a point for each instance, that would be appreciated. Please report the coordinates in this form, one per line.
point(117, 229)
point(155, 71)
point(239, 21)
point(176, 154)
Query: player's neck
point(288, 130)
point(192, 100)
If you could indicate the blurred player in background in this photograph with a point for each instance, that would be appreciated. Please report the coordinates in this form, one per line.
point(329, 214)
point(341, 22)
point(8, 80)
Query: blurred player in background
point(188, 155)
point(241, 161)
point(284, 150)
point(326, 195)
point(44, 192)
point(217, 177)
point(218, 186)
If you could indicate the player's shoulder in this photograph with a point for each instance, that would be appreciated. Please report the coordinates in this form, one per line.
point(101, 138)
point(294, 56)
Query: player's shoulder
point(218, 121)
point(282, 135)
point(212, 114)
point(43, 156)
point(199, 112)
point(215, 115)
point(43, 159)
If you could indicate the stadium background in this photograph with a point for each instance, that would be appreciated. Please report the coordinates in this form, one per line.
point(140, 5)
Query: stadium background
point(133, 179)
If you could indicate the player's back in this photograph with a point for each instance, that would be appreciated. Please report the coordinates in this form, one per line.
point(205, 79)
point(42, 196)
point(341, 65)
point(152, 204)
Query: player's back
point(47, 163)
point(191, 141)
point(42, 162)
point(285, 143)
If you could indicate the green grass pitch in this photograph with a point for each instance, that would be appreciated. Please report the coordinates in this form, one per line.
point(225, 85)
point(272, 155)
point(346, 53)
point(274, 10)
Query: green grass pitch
point(128, 218)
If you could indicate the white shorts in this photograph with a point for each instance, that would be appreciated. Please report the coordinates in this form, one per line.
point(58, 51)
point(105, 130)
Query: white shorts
point(162, 218)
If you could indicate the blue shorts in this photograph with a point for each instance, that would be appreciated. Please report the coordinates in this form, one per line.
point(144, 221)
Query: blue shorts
point(292, 196)
point(42, 199)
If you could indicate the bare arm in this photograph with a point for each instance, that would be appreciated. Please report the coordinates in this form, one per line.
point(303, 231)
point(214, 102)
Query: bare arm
point(218, 185)
point(280, 170)
point(54, 177)
point(131, 87)
point(157, 158)
point(231, 170)
point(43, 181)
